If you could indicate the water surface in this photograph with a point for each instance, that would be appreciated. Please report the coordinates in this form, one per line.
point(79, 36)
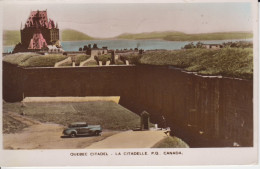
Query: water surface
point(142, 44)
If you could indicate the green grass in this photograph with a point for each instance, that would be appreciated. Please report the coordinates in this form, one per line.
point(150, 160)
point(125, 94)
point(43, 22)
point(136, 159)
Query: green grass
point(73, 35)
point(108, 114)
point(91, 63)
point(179, 36)
point(133, 58)
point(231, 62)
point(104, 58)
point(171, 142)
point(33, 59)
point(80, 58)
point(11, 37)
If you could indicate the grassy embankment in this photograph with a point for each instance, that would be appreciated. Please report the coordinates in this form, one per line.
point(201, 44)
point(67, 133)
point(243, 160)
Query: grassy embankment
point(179, 36)
point(37, 60)
point(33, 59)
point(171, 142)
point(229, 62)
point(108, 114)
point(78, 58)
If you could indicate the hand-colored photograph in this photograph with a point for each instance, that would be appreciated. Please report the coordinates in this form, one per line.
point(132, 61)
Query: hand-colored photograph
point(127, 75)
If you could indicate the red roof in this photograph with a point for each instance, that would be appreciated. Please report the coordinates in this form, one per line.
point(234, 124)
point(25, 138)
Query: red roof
point(39, 19)
point(37, 42)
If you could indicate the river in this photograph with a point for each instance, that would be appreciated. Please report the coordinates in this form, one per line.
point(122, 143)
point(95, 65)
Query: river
point(122, 44)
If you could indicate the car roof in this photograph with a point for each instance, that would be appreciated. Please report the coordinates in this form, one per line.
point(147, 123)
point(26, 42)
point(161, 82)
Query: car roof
point(76, 123)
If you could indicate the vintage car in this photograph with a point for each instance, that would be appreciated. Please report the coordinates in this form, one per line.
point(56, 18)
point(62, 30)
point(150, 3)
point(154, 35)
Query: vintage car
point(82, 128)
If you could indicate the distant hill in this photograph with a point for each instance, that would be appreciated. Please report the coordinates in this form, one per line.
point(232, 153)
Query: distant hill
point(73, 35)
point(149, 35)
point(11, 37)
point(179, 36)
point(210, 36)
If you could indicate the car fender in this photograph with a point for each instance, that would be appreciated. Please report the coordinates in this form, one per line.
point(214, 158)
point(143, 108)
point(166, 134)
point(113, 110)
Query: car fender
point(68, 132)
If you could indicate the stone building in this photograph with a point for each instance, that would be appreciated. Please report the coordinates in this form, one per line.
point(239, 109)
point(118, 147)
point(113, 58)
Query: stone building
point(95, 51)
point(38, 33)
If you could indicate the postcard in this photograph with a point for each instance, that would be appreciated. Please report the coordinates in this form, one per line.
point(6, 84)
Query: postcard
point(133, 83)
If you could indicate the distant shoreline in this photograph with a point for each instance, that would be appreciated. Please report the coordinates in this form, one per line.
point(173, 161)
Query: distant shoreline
point(12, 37)
point(247, 39)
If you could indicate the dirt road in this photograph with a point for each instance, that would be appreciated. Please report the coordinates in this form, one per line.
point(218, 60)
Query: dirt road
point(131, 139)
point(46, 136)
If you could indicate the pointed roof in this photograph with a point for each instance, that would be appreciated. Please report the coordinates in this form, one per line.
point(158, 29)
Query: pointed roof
point(37, 19)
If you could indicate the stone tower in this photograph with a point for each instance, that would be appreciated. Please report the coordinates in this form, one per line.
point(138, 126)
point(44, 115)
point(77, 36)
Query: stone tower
point(38, 32)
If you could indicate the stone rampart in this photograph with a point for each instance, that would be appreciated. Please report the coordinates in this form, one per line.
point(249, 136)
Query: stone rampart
point(203, 111)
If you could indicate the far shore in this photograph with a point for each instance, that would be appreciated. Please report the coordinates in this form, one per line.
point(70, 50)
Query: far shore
point(114, 39)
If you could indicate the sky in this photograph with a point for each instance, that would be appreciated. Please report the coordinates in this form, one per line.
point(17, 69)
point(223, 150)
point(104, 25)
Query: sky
point(109, 20)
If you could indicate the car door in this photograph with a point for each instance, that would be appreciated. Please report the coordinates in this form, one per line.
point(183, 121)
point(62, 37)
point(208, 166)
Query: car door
point(79, 129)
point(85, 130)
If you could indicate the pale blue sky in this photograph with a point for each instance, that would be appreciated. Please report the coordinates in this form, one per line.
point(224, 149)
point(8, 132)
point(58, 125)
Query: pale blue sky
point(108, 20)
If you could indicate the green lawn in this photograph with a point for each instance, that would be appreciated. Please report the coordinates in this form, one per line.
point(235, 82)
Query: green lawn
point(104, 58)
point(231, 62)
point(80, 58)
point(33, 59)
point(108, 114)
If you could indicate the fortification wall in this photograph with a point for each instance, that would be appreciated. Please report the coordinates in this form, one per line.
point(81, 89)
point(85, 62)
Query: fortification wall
point(203, 111)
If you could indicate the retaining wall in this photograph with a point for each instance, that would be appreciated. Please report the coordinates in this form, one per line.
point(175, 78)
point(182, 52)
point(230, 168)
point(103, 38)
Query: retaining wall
point(203, 111)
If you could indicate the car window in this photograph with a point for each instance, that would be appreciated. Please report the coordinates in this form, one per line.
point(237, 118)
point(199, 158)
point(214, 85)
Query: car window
point(78, 125)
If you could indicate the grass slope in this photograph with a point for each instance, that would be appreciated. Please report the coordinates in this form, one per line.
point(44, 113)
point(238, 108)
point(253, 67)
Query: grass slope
point(171, 142)
point(108, 114)
point(179, 36)
point(33, 59)
point(37, 60)
point(231, 62)
point(11, 37)
point(73, 35)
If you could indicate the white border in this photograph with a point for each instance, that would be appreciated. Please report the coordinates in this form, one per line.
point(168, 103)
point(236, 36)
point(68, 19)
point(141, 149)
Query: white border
point(194, 156)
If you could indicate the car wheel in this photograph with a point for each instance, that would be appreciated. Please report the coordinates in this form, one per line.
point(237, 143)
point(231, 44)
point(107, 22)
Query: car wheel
point(97, 133)
point(73, 134)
